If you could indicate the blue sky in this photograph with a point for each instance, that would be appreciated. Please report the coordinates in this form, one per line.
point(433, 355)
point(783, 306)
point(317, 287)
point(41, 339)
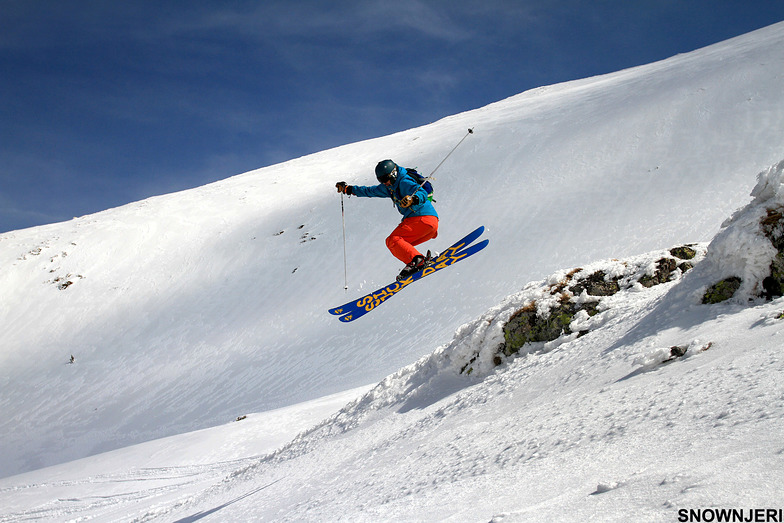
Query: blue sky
point(104, 103)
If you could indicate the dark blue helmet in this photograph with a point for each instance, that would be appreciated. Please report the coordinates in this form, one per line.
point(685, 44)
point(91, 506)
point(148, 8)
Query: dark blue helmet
point(386, 171)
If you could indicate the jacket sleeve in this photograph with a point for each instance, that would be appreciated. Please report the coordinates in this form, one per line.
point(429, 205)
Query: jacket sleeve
point(371, 191)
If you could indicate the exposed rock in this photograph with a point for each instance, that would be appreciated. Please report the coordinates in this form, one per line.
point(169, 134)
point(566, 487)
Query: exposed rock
point(596, 285)
point(685, 266)
point(773, 228)
point(683, 252)
point(773, 285)
point(721, 291)
point(678, 350)
point(526, 326)
point(534, 323)
point(664, 268)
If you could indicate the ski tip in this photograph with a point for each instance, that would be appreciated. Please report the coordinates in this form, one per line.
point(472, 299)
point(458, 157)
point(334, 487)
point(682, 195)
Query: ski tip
point(348, 317)
point(476, 232)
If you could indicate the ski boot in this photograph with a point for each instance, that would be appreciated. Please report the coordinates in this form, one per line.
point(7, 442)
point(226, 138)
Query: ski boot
point(417, 264)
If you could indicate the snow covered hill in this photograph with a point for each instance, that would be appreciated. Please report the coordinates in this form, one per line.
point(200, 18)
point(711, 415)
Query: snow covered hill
point(606, 425)
point(191, 309)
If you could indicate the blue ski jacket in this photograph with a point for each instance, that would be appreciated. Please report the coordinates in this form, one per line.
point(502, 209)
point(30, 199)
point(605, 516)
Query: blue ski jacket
point(403, 186)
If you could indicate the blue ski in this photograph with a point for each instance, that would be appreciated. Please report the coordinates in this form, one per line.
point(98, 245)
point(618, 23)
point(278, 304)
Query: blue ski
point(456, 247)
point(459, 251)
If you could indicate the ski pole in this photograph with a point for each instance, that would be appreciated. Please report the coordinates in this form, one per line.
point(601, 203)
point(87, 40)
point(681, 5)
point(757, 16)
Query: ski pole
point(470, 131)
point(430, 176)
point(345, 264)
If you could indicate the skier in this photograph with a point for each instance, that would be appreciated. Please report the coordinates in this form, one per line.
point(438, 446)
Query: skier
point(420, 220)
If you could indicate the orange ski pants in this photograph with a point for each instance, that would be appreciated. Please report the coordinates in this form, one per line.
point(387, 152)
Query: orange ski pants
point(411, 231)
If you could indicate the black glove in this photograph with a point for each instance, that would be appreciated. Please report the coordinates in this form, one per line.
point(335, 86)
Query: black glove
point(345, 189)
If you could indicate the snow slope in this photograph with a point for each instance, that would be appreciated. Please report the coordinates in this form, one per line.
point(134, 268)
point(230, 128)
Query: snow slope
point(593, 430)
point(605, 426)
point(190, 309)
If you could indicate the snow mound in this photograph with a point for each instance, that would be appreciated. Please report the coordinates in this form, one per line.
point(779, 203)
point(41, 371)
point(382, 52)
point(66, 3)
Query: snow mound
point(584, 299)
point(741, 249)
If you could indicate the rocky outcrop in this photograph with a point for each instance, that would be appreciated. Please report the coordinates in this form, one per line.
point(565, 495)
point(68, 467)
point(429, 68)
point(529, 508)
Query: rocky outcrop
point(579, 291)
point(771, 227)
point(722, 290)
